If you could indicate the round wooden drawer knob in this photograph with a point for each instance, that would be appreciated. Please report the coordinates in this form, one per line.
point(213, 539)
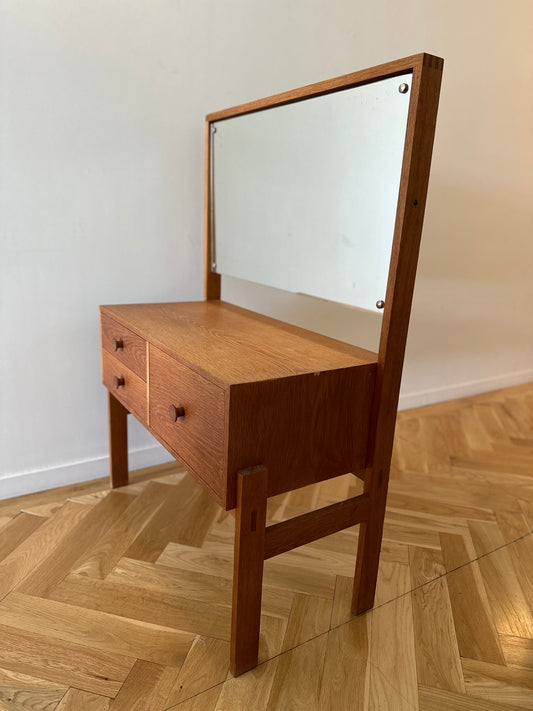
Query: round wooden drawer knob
point(118, 381)
point(175, 413)
point(118, 344)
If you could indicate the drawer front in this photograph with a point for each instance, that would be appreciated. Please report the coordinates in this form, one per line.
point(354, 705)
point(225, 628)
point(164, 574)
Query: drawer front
point(197, 437)
point(124, 345)
point(125, 385)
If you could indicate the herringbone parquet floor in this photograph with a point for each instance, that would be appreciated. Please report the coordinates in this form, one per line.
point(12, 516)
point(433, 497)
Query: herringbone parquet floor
point(120, 601)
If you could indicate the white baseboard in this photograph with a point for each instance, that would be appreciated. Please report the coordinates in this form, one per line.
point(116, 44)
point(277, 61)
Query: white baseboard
point(458, 390)
point(76, 472)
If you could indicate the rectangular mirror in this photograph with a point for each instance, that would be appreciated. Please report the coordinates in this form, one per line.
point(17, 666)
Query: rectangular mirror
point(304, 195)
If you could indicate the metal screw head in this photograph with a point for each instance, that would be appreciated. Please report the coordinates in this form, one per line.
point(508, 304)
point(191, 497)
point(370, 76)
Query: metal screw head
point(380, 304)
point(213, 266)
point(403, 88)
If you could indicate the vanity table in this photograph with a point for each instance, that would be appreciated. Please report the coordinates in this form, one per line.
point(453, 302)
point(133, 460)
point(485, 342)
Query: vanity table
point(255, 407)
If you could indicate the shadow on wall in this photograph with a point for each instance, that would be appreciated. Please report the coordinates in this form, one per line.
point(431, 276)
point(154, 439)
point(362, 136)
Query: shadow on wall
point(473, 283)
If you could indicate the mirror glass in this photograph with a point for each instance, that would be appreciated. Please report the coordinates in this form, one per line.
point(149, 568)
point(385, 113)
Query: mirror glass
point(304, 195)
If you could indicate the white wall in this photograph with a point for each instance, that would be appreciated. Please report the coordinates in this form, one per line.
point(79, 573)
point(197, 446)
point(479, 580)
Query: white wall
point(101, 191)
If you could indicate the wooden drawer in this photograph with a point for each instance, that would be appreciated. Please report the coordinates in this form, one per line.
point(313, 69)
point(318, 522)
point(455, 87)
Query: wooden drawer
point(197, 438)
point(123, 344)
point(131, 390)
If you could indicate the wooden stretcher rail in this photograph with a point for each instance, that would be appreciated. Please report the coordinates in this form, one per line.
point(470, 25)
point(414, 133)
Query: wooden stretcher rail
point(295, 532)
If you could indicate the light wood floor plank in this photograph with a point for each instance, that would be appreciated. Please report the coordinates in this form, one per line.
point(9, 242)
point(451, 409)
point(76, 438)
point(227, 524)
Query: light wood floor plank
point(521, 554)
point(346, 668)
point(251, 690)
point(392, 656)
point(37, 547)
point(207, 664)
point(217, 559)
point(185, 518)
point(456, 551)
point(65, 663)
point(19, 692)
point(96, 630)
point(511, 612)
point(498, 684)
point(203, 702)
point(271, 636)
point(146, 688)
point(76, 700)
point(438, 508)
point(437, 654)
point(195, 585)
point(393, 581)
point(130, 589)
point(527, 509)
point(518, 652)
point(16, 531)
point(298, 678)
point(110, 547)
point(65, 555)
point(4, 520)
point(512, 522)
point(172, 611)
point(425, 565)
point(342, 602)
point(477, 637)
point(440, 700)
point(309, 617)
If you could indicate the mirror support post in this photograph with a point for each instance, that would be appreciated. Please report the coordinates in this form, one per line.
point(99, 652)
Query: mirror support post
point(427, 76)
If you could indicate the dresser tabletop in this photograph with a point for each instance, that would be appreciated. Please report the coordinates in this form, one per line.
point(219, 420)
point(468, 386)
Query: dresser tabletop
point(230, 345)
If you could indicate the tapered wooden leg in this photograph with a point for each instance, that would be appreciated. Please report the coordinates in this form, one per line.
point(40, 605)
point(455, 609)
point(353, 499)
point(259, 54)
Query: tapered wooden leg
point(118, 441)
point(250, 521)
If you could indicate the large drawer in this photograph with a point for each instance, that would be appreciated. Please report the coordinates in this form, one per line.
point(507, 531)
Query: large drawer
point(125, 385)
point(195, 434)
point(123, 344)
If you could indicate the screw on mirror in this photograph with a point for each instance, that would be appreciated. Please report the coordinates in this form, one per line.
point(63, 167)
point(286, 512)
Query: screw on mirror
point(380, 304)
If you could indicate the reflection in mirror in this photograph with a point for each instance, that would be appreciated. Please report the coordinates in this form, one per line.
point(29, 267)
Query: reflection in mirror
point(359, 327)
point(304, 195)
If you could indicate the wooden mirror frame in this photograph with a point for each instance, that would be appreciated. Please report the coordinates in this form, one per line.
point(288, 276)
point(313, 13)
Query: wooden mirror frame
point(423, 104)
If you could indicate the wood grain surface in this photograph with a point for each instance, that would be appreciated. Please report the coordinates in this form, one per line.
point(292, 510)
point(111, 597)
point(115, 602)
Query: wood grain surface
point(127, 611)
point(228, 344)
point(248, 568)
point(198, 437)
point(420, 132)
point(303, 428)
point(400, 66)
point(132, 352)
point(133, 393)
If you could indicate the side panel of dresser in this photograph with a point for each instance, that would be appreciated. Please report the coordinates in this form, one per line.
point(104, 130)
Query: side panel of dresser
point(303, 429)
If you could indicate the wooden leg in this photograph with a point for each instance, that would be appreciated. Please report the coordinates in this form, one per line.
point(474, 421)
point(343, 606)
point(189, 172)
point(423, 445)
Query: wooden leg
point(250, 521)
point(118, 441)
point(368, 550)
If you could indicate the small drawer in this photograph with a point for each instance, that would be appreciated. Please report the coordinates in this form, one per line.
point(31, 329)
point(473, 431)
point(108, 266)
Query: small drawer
point(187, 412)
point(123, 344)
point(125, 385)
